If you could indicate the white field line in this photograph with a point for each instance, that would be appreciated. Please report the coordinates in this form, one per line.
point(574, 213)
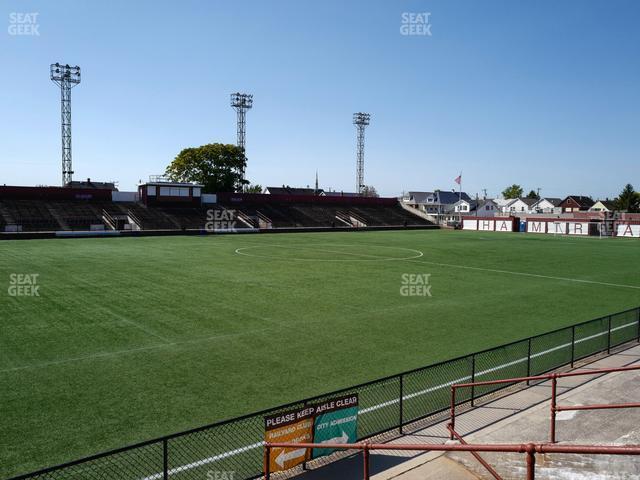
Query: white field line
point(130, 350)
point(368, 257)
point(448, 265)
point(238, 451)
point(489, 370)
point(205, 461)
point(524, 274)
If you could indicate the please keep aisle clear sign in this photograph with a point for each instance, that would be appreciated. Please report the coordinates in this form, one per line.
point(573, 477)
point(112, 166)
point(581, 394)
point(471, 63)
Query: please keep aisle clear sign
point(331, 421)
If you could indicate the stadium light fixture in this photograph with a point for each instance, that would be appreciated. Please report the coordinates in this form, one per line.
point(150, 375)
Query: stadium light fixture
point(241, 102)
point(66, 78)
point(360, 120)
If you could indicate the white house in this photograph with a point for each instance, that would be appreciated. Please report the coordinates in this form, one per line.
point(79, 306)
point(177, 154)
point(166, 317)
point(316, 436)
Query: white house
point(487, 208)
point(462, 206)
point(547, 205)
point(502, 203)
point(603, 206)
point(519, 205)
point(440, 204)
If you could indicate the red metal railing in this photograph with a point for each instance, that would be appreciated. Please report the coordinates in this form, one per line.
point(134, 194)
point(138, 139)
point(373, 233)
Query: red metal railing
point(530, 449)
point(554, 383)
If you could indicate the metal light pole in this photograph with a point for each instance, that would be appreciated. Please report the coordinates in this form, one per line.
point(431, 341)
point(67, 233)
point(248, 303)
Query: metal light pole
point(66, 78)
point(360, 120)
point(241, 102)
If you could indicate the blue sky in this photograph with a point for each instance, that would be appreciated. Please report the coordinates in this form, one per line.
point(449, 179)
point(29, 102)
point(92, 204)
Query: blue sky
point(542, 93)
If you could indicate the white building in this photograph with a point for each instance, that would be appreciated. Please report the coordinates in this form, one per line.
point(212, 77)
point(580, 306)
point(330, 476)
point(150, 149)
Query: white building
point(547, 205)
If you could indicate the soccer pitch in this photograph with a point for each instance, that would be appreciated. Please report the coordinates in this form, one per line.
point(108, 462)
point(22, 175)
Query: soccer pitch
point(133, 338)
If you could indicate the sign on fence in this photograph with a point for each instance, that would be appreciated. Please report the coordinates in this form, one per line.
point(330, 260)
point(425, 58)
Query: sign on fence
point(332, 421)
point(336, 422)
point(294, 426)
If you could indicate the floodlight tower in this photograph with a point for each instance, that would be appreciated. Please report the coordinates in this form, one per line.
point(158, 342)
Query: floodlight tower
point(66, 78)
point(360, 120)
point(241, 102)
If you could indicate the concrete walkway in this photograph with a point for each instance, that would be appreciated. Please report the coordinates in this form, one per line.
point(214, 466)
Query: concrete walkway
point(522, 417)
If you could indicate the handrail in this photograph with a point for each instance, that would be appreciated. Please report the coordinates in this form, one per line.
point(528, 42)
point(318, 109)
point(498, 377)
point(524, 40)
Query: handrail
point(134, 217)
point(530, 449)
point(110, 220)
point(476, 455)
point(554, 381)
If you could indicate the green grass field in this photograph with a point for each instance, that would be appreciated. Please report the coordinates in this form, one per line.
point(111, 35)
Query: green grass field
point(134, 338)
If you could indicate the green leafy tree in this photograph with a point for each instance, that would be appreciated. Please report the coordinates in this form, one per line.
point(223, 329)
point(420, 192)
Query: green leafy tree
point(514, 191)
point(369, 191)
point(628, 200)
point(533, 194)
point(254, 189)
point(217, 166)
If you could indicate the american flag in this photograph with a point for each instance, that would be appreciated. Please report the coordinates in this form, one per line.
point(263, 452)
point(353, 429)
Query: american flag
point(458, 179)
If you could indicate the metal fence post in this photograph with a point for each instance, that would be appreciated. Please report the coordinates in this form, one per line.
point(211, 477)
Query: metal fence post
point(401, 402)
point(473, 379)
point(552, 434)
point(365, 460)
point(573, 344)
point(165, 459)
point(267, 462)
point(304, 464)
point(529, 360)
point(452, 411)
point(638, 318)
point(531, 462)
point(609, 336)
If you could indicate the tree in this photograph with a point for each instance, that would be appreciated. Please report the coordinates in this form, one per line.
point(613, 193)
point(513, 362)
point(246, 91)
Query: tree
point(628, 200)
point(254, 189)
point(533, 194)
point(369, 191)
point(514, 191)
point(217, 166)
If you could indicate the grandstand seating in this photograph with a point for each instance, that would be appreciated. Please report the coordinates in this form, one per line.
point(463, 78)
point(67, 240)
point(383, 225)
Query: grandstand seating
point(193, 218)
point(44, 215)
point(149, 218)
point(184, 218)
point(75, 215)
point(387, 216)
point(312, 215)
point(31, 215)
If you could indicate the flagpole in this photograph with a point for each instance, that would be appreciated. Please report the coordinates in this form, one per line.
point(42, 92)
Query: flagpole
point(460, 197)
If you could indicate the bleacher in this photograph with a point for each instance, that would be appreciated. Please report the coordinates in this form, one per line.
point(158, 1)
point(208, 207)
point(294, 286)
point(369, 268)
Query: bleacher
point(387, 216)
point(244, 210)
point(75, 215)
point(150, 218)
point(307, 215)
point(30, 215)
point(202, 218)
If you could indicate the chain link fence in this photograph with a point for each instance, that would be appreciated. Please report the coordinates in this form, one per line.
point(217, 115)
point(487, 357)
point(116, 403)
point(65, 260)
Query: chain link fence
point(233, 449)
